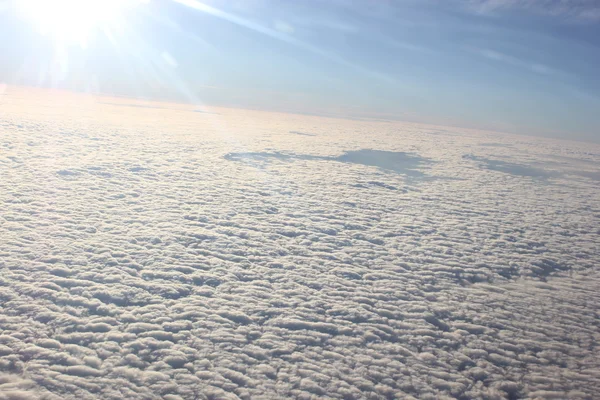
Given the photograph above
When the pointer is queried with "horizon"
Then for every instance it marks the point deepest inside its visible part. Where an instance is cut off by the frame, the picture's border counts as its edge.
(509, 66)
(374, 119)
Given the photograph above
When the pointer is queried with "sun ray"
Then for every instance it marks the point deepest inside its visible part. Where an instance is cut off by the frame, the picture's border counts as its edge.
(73, 21)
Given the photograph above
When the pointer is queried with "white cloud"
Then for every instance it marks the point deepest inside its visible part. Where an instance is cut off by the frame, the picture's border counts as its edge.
(307, 276)
(576, 10)
(534, 67)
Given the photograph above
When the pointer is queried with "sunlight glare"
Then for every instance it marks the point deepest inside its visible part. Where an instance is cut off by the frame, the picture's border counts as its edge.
(73, 20)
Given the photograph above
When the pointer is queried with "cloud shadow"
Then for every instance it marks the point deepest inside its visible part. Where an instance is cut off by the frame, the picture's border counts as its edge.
(512, 168)
(399, 162)
(302, 133)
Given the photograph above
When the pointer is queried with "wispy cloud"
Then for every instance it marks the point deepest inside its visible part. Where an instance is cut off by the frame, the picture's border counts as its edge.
(514, 61)
(283, 33)
(575, 10)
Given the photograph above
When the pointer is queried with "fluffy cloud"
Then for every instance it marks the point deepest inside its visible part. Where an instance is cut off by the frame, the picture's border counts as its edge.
(159, 267)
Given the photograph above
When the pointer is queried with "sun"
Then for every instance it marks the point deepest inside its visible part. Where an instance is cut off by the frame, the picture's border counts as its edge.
(73, 21)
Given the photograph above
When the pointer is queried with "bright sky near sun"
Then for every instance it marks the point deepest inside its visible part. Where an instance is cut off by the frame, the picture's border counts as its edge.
(525, 66)
(72, 21)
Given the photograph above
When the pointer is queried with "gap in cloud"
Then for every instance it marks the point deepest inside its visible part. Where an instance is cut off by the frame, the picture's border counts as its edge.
(532, 171)
(402, 163)
(495, 145)
(512, 168)
(593, 175)
(302, 133)
(205, 112)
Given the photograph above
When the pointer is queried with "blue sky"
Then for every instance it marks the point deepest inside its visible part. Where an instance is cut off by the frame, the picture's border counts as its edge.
(525, 66)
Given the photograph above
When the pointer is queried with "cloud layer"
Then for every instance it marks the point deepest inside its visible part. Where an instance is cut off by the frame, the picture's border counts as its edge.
(137, 261)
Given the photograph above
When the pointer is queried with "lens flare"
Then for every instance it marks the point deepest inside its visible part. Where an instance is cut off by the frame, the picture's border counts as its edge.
(73, 21)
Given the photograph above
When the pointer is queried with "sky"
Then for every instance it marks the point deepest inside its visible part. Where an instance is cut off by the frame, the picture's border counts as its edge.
(523, 66)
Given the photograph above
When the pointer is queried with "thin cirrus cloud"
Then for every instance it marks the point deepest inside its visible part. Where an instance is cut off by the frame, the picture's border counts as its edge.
(514, 61)
(580, 10)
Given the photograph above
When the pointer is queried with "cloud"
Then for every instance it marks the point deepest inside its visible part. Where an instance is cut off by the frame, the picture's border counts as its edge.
(13, 387)
(164, 269)
(576, 10)
(514, 61)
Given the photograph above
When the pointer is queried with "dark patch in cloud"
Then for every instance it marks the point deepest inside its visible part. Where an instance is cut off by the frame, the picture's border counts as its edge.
(402, 163)
(495, 145)
(441, 132)
(512, 168)
(205, 112)
(593, 175)
(376, 184)
(302, 133)
(138, 169)
(67, 172)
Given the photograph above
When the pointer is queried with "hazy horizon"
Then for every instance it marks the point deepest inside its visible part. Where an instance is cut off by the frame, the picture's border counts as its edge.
(512, 66)
(99, 96)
